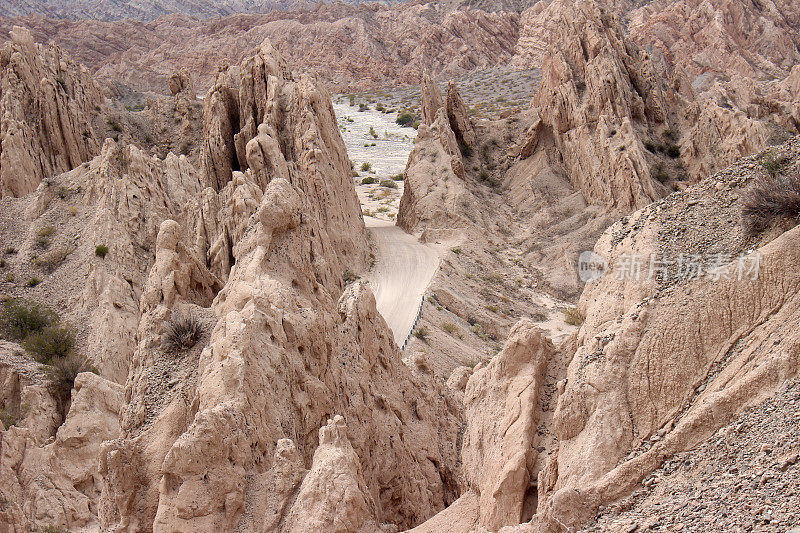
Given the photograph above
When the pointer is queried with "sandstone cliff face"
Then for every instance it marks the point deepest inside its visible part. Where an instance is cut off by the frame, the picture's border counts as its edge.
(54, 480)
(597, 97)
(662, 363)
(436, 195)
(47, 103)
(289, 346)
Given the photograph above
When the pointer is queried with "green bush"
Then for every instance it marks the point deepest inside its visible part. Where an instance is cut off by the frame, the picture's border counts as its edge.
(20, 318)
(572, 316)
(12, 415)
(349, 276)
(33, 282)
(44, 236)
(369, 180)
(422, 334)
(363, 107)
(389, 183)
(366, 167)
(50, 343)
(450, 328)
(61, 375)
(373, 133)
(405, 119)
(399, 177)
(101, 250)
(772, 163)
(673, 151)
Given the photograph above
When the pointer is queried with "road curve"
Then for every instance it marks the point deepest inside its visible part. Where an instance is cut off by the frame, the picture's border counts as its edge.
(404, 267)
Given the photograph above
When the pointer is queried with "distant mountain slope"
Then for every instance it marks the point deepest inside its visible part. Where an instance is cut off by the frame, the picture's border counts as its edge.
(145, 10)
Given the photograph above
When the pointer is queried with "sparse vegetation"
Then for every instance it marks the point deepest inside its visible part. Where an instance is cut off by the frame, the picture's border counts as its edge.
(405, 119)
(363, 107)
(114, 125)
(450, 328)
(572, 316)
(182, 333)
(422, 334)
(101, 250)
(61, 375)
(772, 163)
(389, 183)
(369, 180)
(373, 132)
(349, 276)
(366, 167)
(456, 250)
(51, 260)
(49, 344)
(20, 318)
(33, 282)
(770, 199)
(45, 236)
(399, 177)
(12, 415)
(659, 173)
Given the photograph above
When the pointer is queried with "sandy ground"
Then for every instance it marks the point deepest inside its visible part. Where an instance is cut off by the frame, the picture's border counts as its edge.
(387, 158)
(404, 268)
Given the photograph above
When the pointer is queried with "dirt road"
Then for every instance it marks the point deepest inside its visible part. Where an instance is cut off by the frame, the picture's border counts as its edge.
(404, 268)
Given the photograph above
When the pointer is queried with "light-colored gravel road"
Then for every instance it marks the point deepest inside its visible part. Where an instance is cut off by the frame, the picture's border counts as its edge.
(404, 268)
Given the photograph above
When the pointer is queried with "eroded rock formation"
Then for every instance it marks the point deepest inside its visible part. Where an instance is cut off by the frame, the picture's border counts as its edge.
(47, 103)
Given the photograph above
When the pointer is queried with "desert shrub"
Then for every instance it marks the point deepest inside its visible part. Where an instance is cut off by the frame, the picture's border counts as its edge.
(101, 250)
(366, 167)
(44, 236)
(51, 260)
(182, 333)
(369, 180)
(373, 132)
(349, 276)
(363, 107)
(456, 250)
(670, 134)
(383, 209)
(673, 151)
(49, 344)
(405, 119)
(492, 308)
(650, 146)
(572, 316)
(33, 282)
(389, 183)
(352, 100)
(399, 177)
(20, 318)
(422, 333)
(13, 413)
(658, 173)
(539, 316)
(477, 329)
(772, 163)
(114, 125)
(450, 328)
(61, 374)
(770, 199)
(466, 150)
(54, 529)
(379, 107)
